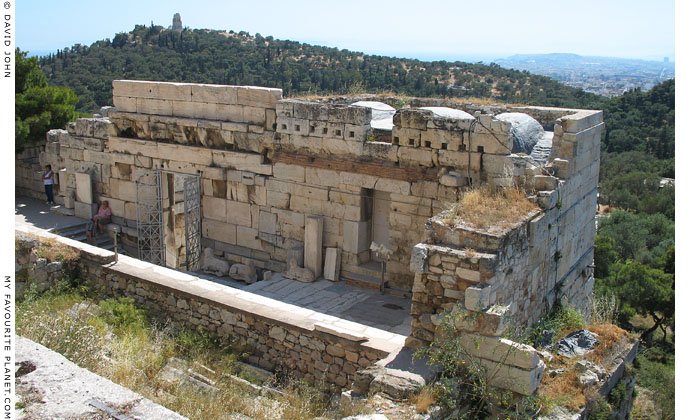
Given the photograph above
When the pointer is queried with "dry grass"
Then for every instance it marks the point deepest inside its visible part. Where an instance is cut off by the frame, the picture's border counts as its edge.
(644, 407)
(424, 399)
(604, 309)
(52, 250)
(133, 355)
(565, 389)
(611, 339)
(356, 92)
(490, 209)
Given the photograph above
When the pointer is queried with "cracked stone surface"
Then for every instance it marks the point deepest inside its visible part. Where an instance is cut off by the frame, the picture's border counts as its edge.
(59, 389)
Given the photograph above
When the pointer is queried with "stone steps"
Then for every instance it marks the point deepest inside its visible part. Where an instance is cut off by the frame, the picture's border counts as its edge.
(77, 231)
(370, 269)
(372, 283)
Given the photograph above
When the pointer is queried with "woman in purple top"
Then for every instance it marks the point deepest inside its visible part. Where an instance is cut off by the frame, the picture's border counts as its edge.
(100, 219)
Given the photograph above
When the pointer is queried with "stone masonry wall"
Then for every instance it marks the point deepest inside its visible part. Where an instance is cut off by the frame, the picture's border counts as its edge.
(266, 163)
(490, 280)
(546, 259)
(28, 173)
(275, 335)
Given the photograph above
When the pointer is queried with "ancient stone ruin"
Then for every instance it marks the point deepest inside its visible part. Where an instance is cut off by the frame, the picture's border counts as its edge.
(236, 179)
(176, 23)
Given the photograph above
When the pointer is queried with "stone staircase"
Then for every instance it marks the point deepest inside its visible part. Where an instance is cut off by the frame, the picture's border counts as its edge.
(368, 276)
(77, 231)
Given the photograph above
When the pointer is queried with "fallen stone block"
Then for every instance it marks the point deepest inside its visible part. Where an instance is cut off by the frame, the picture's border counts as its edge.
(213, 265)
(294, 272)
(332, 264)
(313, 244)
(524, 382)
(243, 272)
(501, 350)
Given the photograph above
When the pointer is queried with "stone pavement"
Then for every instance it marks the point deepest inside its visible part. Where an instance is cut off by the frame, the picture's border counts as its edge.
(370, 308)
(36, 213)
(385, 312)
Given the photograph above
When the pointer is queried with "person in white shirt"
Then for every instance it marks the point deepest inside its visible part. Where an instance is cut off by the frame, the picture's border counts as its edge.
(48, 184)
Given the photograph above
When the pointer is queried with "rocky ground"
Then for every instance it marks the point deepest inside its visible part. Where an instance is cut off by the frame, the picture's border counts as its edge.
(51, 387)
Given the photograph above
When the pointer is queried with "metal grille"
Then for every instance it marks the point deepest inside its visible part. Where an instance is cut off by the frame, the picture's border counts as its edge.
(150, 218)
(192, 221)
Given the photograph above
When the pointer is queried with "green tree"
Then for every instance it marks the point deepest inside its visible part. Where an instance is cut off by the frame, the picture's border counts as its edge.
(38, 107)
(645, 290)
(639, 237)
(605, 256)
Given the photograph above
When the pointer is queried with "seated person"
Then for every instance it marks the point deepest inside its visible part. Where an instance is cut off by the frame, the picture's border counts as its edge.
(99, 220)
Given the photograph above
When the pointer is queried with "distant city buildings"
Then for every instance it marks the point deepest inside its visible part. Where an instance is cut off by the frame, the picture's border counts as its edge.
(601, 75)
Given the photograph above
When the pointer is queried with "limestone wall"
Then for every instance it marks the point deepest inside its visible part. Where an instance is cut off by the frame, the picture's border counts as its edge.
(494, 280)
(28, 173)
(266, 163)
(546, 259)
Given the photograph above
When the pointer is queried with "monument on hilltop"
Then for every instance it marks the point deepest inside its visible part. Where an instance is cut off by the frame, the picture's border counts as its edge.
(177, 22)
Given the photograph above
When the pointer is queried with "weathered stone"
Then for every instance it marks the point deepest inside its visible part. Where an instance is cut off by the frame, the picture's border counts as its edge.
(332, 264)
(84, 192)
(245, 273)
(83, 210)
(418, 260)
(501, 350)
(355, 236)
(478, 298)
(524, 382)
(588, 379)
(313, 244)
(212, 265)
(296, 254)
(297, 273)
(277, 333)
(397, 384)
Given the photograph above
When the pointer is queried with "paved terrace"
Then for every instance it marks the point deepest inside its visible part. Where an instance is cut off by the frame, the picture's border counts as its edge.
(336, 305)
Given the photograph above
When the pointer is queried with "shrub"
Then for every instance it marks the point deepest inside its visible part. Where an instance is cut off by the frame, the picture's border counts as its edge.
(601, 410)
(123, 315)
(463, 384)
(562, 321)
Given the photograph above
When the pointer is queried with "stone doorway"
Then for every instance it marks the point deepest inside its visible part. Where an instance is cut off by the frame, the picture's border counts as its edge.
(169, 219)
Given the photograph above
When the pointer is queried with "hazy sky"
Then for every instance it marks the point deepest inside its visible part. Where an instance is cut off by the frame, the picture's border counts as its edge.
(421, 29)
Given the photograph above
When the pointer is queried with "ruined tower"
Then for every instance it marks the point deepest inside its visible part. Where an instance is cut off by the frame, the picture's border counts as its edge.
(177, 22)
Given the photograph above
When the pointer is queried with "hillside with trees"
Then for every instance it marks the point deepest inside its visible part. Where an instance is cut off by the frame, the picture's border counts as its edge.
(209, 56)
(635, 244)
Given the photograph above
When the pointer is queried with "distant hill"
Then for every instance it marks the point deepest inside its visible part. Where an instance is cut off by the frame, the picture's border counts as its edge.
(210, 56)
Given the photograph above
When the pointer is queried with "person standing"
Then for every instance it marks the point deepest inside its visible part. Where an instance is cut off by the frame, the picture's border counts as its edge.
(48, 177)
